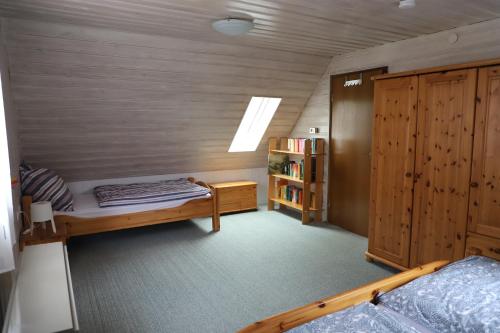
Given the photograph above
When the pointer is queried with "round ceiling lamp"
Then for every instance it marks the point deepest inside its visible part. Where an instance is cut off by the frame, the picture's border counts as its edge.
(405, 4)
(233, 26)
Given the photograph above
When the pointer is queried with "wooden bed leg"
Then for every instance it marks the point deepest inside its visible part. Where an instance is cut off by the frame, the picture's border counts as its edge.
(215, 214)
(26, 207)
(215, 222)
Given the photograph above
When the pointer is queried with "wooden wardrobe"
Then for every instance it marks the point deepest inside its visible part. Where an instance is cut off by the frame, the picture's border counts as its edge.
(435, 172)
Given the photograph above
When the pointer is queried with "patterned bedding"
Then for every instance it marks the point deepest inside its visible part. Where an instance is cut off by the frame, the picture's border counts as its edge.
(462, 297)
(362, 318)
(143, 193)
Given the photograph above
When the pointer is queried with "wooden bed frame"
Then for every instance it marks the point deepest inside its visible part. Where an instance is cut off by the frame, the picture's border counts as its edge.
(76, 226)
(296, 317)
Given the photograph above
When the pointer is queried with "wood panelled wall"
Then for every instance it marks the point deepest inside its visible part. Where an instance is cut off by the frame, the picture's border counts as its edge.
(476, 42)
(96, 103)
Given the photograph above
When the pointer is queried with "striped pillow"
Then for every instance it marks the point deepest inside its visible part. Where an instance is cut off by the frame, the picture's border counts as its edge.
(44, 185)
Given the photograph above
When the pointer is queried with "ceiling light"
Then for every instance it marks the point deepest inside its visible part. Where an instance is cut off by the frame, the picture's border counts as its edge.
(233, 26)
(404, 4)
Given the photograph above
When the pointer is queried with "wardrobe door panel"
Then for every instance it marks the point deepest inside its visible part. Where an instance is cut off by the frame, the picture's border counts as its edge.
(393, 151)
(443, 165)
(484, 205)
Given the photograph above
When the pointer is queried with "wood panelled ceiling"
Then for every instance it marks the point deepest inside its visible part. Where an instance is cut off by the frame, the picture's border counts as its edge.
(117, 88)
(323, 27)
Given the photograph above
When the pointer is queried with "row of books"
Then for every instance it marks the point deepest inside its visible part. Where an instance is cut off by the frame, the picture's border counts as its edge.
(291, 193)
(297, 145)
(295, 194)
(294, 169)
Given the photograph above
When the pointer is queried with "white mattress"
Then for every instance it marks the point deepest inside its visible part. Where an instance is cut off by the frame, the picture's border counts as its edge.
(85, 206)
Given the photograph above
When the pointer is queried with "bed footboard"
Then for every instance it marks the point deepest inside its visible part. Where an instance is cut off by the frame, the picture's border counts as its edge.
(288, 320)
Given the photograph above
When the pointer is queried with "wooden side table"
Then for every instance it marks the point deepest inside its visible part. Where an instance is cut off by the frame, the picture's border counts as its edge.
(44, 236)
(236, 196)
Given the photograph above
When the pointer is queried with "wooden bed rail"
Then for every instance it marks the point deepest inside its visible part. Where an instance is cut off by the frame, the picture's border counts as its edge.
(296, 317)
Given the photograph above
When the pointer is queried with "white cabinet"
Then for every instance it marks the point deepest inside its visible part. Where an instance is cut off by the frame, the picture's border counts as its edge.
(43, 299)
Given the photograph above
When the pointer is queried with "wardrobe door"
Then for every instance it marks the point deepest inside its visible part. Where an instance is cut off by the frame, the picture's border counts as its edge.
(393, 151)
(484, 205)
(443, 165)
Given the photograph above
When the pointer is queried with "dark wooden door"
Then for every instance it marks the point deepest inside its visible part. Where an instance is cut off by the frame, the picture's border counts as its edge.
(484, 205)
(443, 165)
(393, 161)
(350, 144)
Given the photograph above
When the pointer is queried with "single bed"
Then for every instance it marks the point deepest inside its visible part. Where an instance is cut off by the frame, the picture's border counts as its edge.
(89, 218)
(438, 297)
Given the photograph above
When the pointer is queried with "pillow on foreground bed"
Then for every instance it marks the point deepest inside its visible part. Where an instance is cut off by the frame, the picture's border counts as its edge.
(461, 297)
(45, 185)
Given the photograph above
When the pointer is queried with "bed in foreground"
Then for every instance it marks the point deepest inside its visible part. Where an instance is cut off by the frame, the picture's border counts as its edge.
(461, 297)
(112, 212)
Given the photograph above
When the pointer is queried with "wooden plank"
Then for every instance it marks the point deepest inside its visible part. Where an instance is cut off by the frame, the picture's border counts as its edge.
(445, 68)
(296, 317)
(84, 226)
(287, 203)
(289, 178)
(478, 245)
(318, 182)
(484, 203)
(392, 167)
(443, 164)
(271, 187)
(306, 187)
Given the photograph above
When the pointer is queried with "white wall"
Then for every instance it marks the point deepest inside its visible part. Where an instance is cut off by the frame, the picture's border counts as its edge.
(6, 279)
(258, 175)
(476, 42)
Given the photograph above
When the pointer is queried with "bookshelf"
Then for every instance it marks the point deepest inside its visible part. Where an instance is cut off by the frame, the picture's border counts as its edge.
(312, 155)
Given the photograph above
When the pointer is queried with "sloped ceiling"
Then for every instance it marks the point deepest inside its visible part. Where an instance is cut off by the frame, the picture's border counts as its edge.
(115, 88)
(96, 103)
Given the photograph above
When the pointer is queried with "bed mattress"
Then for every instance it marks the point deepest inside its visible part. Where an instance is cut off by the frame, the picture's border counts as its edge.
(86, 206)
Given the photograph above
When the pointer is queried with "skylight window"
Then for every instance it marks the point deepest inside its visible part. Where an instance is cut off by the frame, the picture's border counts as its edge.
(255, 121)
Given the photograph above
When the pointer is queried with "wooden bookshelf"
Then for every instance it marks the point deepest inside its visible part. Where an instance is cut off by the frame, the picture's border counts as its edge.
(289, 178)
(292, 152)
(307, 208)
(292, 204)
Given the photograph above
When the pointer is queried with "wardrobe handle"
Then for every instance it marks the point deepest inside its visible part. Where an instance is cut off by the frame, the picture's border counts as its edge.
(408, 174)
(474, 184)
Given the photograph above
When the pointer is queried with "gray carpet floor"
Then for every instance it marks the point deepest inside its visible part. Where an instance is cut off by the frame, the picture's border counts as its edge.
(180, 277)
